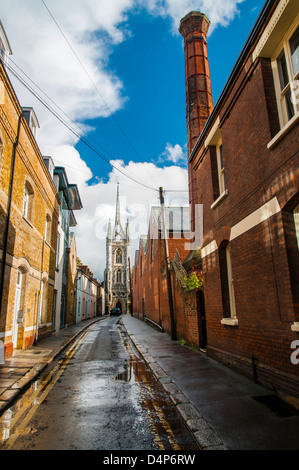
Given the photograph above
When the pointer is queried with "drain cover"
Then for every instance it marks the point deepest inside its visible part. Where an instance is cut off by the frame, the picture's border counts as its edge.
(277, 405)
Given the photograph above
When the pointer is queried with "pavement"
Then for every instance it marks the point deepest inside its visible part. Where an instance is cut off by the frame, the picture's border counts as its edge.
(221, 408)
(25, 366)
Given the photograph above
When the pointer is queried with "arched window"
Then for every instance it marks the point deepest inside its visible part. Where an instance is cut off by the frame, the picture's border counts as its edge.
(118, 276)
(48, 228)
(28, 201)
(119, 258)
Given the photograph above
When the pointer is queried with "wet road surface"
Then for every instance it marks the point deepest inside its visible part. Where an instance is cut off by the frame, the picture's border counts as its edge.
(98, 395)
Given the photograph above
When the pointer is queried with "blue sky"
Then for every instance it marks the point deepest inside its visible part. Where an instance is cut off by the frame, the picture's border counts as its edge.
(134, 59)
(150, 64)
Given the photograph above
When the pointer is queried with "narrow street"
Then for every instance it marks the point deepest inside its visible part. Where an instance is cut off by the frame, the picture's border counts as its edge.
(98, 395)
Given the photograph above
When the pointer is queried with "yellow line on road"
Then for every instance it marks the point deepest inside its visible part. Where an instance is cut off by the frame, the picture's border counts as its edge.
(36, 400)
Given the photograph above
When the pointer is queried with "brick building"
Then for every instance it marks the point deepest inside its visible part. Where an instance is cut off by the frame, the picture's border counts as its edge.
(87, 294)
(71, 280)
(243, 168)
(64, 276)
(29, 211)
(149, 280)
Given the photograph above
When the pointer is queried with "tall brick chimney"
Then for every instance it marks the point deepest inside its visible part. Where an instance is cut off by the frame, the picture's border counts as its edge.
(199, 101)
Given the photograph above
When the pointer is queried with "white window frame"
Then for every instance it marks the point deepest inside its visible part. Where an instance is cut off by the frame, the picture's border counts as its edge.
(26, 202)
(57, 251)
(232, 320)
(220, 167)
(48, 228)
(296, 221)
(230, 278)
(292, 85)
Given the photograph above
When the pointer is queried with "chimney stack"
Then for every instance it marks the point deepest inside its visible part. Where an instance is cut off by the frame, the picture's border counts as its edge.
(199, 101)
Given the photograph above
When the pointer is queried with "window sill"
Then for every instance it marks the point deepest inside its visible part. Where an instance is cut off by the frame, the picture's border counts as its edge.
(219, 199)
(284, 131)
(27, 221)
(295, 326)
(229, 321)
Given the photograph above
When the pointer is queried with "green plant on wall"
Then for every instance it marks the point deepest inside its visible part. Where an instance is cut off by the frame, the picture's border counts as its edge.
(194, 281)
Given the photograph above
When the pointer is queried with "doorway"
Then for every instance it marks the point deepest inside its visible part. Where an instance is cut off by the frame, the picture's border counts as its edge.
(17, 308)
(119, 305)
(202, 329)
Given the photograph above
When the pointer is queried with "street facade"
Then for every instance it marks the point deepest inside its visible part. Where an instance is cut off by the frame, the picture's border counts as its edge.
(243, 177)
(218, 278)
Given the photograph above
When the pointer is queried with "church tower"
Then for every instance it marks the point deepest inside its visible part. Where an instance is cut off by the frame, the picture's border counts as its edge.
(117, 274)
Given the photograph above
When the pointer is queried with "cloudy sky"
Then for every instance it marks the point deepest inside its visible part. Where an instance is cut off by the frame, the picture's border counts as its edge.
(113, 72)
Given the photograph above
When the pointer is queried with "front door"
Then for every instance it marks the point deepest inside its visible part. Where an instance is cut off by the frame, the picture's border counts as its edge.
(17, 309)
(201, 319)
(119, 305)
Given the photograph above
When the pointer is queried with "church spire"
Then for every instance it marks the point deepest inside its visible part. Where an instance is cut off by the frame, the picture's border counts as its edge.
(117, 212)
(118, 232)
(128, 231)
(109, 231)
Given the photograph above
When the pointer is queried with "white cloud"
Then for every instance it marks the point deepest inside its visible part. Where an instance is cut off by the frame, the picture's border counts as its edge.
(41, 51)
(99, 206)
(174, 154)
(219, 12)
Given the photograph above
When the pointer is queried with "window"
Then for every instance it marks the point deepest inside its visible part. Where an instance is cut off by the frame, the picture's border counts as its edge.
(28, 201)
(230, 283)
(2, 50)
(57, 251)
(48, 228)
(296, 219)
(119, 257)
(227, 286)
(286, 75)
(220, 167)
(18, 306)
(118, 276)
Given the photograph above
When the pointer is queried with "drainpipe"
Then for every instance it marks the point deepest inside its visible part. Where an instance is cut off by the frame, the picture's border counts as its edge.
(9, 202)
(40, 296)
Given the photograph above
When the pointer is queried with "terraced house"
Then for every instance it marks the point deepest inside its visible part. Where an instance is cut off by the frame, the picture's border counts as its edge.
(29, 211)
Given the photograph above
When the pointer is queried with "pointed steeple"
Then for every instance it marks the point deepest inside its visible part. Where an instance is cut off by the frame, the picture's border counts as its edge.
(128, 231)
(118, 231)
(109, 231)
(117, 212)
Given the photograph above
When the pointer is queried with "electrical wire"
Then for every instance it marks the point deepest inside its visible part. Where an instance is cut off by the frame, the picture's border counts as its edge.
(76, 124)
(93, 83)
(62, 120)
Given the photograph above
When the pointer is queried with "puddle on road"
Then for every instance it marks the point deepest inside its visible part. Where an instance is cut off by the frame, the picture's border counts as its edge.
(168, 430)
(166, 424)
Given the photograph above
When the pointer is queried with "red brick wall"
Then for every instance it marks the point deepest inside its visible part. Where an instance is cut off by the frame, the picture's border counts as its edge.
(152, 287)
(265, 259)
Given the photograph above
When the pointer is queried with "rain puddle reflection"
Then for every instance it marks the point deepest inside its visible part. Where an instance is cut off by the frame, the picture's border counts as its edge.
(167, 426)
